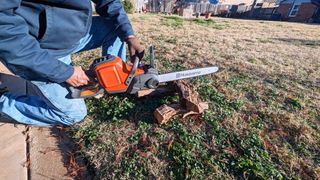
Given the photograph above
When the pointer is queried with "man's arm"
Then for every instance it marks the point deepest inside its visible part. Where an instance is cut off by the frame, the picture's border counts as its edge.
(113, 9)
(18, 47)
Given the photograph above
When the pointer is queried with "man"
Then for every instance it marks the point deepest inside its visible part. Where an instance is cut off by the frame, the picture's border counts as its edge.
(37, 38)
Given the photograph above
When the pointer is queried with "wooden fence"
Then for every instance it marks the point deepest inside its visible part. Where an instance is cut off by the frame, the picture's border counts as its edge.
(170, 6)
(225, 10)
(164, 6)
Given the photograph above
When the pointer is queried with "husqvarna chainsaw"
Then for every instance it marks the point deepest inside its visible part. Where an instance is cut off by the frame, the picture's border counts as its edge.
(112, 75)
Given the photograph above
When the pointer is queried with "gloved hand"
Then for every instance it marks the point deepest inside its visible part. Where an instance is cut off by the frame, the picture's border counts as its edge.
(78, 78)
(135, 48)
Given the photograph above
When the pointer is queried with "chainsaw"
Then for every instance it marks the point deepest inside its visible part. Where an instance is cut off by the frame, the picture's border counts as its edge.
(112, 75)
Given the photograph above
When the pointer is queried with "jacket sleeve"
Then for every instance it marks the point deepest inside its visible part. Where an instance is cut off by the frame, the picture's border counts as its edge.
(113, 10)
(19, 48)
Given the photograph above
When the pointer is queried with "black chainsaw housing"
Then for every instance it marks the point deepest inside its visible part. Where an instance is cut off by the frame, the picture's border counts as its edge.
(149, 80)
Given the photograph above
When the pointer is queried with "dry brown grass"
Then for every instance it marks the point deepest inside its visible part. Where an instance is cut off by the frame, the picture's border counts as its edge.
(270, 72)
(271, 48)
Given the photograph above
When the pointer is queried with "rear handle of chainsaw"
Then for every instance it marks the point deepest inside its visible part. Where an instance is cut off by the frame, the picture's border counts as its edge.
(85, 91)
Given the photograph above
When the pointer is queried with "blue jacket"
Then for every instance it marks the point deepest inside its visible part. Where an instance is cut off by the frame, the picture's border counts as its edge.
(34, 33)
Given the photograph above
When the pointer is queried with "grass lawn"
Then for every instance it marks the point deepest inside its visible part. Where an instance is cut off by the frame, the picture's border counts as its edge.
(264, 105)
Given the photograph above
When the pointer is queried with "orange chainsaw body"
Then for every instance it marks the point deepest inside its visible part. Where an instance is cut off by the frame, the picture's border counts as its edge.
(109, 73)
(112, 74)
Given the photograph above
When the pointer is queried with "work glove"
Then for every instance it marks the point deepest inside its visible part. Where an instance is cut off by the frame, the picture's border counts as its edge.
(135, 48)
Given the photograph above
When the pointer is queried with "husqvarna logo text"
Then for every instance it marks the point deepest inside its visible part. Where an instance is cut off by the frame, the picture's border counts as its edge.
(187, 74)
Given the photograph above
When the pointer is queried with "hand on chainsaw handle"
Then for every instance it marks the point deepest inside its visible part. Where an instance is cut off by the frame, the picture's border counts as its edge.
(78, 78)
(135, 48)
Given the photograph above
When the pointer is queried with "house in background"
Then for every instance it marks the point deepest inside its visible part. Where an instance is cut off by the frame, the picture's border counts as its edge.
(300, 10)
(286, 10)
(255, 9)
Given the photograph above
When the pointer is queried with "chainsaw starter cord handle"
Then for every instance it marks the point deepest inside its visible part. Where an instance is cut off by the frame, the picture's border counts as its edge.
(133, 70)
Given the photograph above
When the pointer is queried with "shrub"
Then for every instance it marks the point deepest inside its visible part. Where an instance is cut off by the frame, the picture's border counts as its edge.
(128, 6)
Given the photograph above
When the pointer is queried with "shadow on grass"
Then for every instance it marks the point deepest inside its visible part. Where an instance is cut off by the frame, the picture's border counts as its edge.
(310, 43)
(115, 107)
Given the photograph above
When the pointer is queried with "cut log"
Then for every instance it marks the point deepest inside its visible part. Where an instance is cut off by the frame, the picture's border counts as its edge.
(165, 112)
(190, 103)
(190, 97)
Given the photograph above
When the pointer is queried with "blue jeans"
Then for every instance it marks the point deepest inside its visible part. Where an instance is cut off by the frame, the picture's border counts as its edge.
(50, 105)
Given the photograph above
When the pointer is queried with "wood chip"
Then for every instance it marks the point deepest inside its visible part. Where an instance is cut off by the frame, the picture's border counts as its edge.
(145, 92)
(189, 114)
(165, 112)
(121, 150)
(155, 92)
(203, 106)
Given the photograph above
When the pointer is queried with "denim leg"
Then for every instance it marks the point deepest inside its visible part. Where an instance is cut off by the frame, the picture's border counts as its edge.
(48, 105)
(116, 48)
(102, 34)
(35, 111)
(58, 98)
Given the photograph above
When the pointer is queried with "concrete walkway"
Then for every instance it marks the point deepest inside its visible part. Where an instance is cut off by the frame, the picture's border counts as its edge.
(36, 153)
(30, 152)
(13, 152)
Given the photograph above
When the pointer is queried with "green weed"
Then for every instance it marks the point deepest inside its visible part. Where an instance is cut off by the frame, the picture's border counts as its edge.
(89, 133)
(224, 107)
(292, 104)
(236, 80)
(169, 66)
(207, 22)
(145, 17)
(255, 162)
(110, 107)
(173, 21)
(172, 40)
(128, 6)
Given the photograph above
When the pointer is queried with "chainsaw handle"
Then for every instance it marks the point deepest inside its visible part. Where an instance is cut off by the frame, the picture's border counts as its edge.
(133, 70)
(85, 91)
(74, 92)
